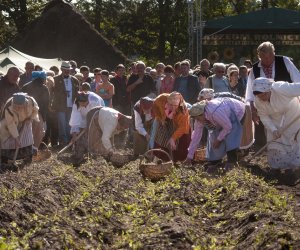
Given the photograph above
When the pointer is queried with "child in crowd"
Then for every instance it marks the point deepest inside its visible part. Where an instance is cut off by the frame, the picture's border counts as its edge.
(105, 89)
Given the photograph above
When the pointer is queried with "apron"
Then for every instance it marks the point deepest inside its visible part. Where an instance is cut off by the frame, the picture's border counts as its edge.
(230, 142)
(8, 146)
(164, 132)
(26, 137)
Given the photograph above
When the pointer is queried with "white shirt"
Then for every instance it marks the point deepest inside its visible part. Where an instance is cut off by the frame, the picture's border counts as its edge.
(108, 121)
(291, 68)
(282, 109)
(78, 115)
(139, 126)
(68, 86)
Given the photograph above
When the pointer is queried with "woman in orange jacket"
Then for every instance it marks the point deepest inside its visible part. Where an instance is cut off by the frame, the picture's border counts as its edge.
(173, 125)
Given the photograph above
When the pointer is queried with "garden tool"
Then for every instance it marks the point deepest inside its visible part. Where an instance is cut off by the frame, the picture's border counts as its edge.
(268, 143)
(71, 143)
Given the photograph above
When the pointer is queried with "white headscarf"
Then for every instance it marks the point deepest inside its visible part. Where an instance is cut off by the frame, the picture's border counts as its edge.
(206, 93)
(262, 84)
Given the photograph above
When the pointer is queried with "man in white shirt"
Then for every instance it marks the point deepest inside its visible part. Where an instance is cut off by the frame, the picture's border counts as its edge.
(103, 124)
(84, 102)
(143, 118)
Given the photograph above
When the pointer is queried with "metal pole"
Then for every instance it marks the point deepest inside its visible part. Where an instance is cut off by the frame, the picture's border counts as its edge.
(190, 28)
(199, 29)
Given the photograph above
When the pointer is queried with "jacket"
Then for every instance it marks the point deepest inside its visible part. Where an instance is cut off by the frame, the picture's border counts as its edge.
(193, 88)
(59, 98)
(181, 119)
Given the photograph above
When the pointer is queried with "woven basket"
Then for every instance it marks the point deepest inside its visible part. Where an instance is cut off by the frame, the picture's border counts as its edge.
(42, 154)
(200, 154)
(155, 171)
(119, 159)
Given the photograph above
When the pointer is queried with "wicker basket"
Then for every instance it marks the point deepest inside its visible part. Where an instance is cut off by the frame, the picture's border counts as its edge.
(119, 159)
(155, 171)
(200, 154)
(42, 154)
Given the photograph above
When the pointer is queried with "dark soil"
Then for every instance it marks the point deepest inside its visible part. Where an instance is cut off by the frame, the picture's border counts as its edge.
(52, 205)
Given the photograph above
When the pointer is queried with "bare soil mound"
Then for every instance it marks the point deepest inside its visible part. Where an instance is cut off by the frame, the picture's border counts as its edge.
(52, 205)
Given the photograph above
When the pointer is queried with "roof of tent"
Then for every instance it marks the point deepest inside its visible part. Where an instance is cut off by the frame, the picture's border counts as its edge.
(265, 19)
(12, 57)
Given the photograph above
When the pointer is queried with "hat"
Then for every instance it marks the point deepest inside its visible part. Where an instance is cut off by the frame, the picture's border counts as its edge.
(65, 65)
(73, 64)
(206, 93)
(146, 102)
(174, 98)
(39, 74)
(19, 98)
(197, 108)
(262, 84)
(82, 96)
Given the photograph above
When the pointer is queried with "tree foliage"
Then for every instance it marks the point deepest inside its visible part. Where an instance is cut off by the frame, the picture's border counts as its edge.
(152, 29)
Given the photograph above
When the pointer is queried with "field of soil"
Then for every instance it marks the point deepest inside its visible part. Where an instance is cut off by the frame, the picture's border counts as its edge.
(53, 205)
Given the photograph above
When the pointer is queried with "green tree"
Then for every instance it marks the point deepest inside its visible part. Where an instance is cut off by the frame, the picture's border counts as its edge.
(151, 29)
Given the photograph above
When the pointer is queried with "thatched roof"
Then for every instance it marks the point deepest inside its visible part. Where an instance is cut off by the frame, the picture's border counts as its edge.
(63, 32)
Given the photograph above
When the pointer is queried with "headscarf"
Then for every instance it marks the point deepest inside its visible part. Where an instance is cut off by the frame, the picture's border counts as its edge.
(174, 98)
(198, 108)
(262, 85)
(19, 98)
(206, 93)
(38, 74)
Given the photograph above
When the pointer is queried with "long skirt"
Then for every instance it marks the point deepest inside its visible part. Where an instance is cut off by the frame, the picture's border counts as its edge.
(163, 135)
(248, 130)
(180, 153)
(8, 147)
(285, 156)
(232, 140)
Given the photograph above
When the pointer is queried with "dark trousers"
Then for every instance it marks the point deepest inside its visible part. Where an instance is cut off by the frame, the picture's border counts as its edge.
(259, 135)
(52, 129)
(232, 156)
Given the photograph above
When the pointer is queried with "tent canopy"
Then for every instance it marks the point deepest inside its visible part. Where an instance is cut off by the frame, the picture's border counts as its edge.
(12, 57)
(266, 19)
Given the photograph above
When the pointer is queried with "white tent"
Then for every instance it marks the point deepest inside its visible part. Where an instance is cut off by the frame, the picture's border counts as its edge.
(12, 57)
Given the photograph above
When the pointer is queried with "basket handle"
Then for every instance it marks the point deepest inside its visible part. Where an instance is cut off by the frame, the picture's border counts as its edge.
(45, 145)
(158, 150)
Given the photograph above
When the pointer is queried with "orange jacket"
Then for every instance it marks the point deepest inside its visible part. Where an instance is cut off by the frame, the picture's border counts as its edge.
(181, 119)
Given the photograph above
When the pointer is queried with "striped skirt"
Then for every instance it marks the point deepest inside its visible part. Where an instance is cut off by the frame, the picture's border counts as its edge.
(8, 147)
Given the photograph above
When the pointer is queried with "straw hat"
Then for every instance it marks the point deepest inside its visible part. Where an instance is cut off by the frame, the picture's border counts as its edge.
(65, 65)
